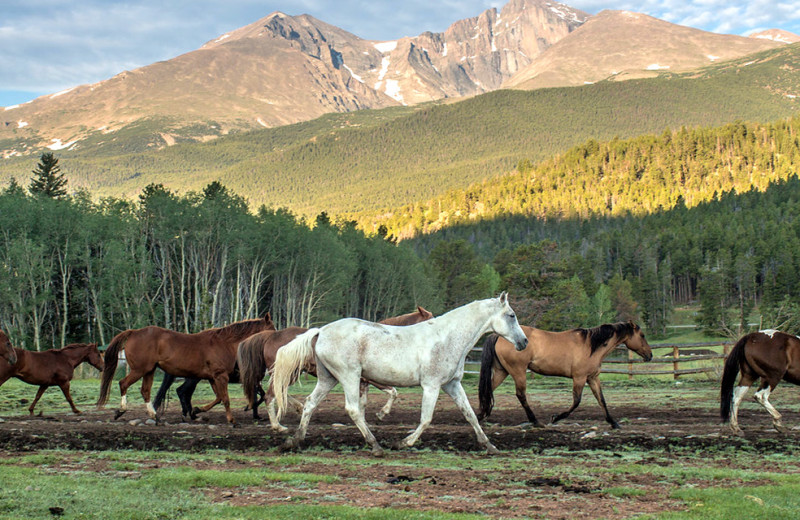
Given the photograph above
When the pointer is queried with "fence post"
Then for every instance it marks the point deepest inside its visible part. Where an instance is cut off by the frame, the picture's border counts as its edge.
(675, 354)
(725, 350)
(630, 364)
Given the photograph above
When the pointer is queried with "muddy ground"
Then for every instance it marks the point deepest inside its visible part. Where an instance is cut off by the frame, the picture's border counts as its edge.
(688, 432)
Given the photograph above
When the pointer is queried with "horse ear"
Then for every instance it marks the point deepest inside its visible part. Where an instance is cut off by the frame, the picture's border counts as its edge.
(267, 317)
(503, 297)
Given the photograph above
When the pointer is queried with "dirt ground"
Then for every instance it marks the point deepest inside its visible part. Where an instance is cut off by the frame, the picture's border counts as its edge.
(394, 483)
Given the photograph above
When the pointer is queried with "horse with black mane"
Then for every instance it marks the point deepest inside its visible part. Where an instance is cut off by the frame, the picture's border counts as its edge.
(769, 355)
(576, 353)
(50, 368)
(210, 354)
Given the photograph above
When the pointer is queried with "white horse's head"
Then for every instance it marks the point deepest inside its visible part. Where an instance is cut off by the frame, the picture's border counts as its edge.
(504, 322)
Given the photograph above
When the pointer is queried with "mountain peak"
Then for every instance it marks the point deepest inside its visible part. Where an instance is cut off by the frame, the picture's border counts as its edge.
(777, 35)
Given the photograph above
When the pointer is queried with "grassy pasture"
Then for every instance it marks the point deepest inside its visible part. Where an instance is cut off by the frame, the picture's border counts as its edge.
(619, 483)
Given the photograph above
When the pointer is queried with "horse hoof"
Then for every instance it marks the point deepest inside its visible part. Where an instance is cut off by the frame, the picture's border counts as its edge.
(118, 414)
(615, 425)
(279, 428)
(378, 452)
(196, 411)
(492, 450)
(380, 416)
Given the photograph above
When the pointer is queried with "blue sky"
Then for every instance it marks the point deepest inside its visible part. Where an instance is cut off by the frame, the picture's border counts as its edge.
(47, 46)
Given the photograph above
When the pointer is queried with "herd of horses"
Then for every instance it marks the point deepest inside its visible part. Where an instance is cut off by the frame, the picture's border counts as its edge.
(415, 349)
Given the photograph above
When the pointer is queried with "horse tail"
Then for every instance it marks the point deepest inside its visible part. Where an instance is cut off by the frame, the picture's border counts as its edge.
(732, 366)
(289, 362)
(485, 390)
(110, 360)
(252, 368)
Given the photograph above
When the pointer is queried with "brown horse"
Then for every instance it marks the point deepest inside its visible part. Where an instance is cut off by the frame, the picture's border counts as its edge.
(576, 353)
(769, 355)
(7, 352)
(210, 354)
(257, 354)
(51, 368)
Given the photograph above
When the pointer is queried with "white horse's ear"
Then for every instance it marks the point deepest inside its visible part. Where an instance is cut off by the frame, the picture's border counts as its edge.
(503, 297)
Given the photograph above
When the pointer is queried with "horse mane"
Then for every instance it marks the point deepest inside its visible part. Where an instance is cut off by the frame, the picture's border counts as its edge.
(235, 329)
(74, 346)
(597, 336)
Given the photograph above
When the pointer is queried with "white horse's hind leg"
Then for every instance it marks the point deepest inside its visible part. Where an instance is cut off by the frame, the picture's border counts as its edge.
(762, 396)
(429, 396)
(273, 417)
(738, 394)
(325, 383)
(387, 408)
(353, 405)
(456, 391)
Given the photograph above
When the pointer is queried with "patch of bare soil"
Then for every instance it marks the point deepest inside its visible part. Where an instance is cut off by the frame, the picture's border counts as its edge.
(511, 494)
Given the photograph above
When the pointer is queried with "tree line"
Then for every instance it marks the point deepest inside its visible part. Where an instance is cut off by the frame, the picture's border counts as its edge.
(77, 270)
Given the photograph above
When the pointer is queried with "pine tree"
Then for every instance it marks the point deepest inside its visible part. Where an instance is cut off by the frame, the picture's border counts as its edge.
(48, 179)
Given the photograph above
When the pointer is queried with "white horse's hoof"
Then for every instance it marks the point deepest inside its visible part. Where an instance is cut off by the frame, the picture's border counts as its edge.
(492, 450)
(279, 428)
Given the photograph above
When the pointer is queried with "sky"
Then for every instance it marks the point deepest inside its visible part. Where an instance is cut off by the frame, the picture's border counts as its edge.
(47, 46)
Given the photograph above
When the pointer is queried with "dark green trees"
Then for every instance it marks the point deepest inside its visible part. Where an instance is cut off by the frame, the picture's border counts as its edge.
(47, 178)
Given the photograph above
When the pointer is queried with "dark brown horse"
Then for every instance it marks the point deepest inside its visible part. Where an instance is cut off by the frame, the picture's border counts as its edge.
(7, 352)
(210, 354)
(257, 354)
(769, 355)
(576, 353)
(51, 368)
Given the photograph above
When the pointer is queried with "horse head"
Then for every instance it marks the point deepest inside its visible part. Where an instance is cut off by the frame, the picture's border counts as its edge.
(504, 322)
(94, 357)
(268, 320)
(637, 342)
(6, 350)
(424, 314)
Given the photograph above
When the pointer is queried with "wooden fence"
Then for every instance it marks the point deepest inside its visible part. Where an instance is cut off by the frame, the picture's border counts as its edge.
(676, 354)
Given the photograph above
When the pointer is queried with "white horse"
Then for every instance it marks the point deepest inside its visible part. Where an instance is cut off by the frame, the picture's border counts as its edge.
(430, 354)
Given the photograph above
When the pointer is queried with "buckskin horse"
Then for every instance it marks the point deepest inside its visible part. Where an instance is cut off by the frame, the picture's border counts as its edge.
(210, 354)
(769, 355)
(257, 354)
(430, 354)
(51, 368)
(576, 353)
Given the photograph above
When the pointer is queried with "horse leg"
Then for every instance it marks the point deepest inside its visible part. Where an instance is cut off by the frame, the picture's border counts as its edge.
(147, 386)
(220, 387)
(520, 383)
(387, 408)
(325, 383)
(430, 394)
(363, 392)
(36, 399)
(65, 391)
(159, 403)
(355, 407)
(762, 396)
(597, 390)
(456, 391)
(738, 395)
(124, 384)
(577, 392)
(185, 393)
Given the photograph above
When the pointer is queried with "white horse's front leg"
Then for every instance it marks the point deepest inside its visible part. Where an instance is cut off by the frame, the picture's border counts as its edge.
(456, 391)
(429, 396)
(274, 423)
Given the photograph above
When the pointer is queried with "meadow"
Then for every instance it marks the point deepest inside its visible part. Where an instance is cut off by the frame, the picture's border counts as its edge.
(671, 460)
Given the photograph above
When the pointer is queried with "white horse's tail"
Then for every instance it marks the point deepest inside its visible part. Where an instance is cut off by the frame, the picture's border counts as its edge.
(289, 362)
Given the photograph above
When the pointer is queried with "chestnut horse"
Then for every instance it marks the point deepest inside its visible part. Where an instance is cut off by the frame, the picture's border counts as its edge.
(51, 368)
(7, 352)
(210, 354)
(769, 355)
(576, 353)
(257, 354)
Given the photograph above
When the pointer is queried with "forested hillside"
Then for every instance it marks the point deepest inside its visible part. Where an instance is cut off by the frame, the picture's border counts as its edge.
(78, 270)
(379, 159)
(709, 214)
